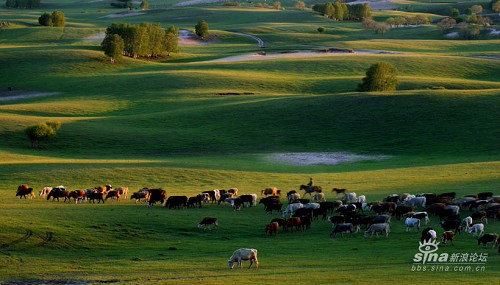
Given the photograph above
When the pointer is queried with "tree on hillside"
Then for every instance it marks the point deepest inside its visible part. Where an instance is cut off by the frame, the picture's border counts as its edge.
(477, 9)
(113, 46)
(495, 6)
(446, 23)
(329, 10)
(277, 5)
(58, 19)
(381, 76)
(339, 11)
(366, 12)
(300, 5)
(45, 20)
(454, 13)
(172, 40)
(144, 5)
(42, 132)
(201, 29)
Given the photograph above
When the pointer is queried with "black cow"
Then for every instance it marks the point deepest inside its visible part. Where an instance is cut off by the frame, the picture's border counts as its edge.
(273, 207)
(342, 228)
(195, 201)
(493, 238)
(249, 199)
(402, 210)
(330, 206)
(212, 195)
(484, 195)
(176, 202)
(99, 196)
(451, 225)
(270, 200)
(156, 195)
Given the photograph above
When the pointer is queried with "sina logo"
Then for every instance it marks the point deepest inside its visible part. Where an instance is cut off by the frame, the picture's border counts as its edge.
(427, 253)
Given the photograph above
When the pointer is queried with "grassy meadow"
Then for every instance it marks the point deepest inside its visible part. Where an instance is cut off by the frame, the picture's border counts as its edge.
(162, 123)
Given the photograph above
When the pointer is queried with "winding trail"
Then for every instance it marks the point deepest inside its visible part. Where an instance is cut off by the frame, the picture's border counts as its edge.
(259, 40)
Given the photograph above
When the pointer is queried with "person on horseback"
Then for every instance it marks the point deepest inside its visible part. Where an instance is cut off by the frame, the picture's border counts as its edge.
(310, 184)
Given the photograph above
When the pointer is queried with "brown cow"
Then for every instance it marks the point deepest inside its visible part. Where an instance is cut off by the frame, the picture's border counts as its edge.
(123, 191)
(273, 191)
(138, 196)
(448, 236)
(272, 228)
(23, 191)
(113, 194)
(77, 195)
(339, 191)
(294, 222)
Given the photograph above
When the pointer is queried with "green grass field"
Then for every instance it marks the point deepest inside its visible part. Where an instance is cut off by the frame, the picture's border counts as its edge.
(144, 123)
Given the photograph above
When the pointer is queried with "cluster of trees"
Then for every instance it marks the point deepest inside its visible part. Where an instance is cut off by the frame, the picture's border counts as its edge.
(468, 26)
(340, 12)
(25, 4)
(406, 20)
(41, 132)
(54, 19)
(143, 40)
(377, 27)
(129, 4)
(276, 5)
(4, 24)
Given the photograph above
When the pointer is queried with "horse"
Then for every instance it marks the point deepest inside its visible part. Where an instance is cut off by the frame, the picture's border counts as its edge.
(309, 191)
(339, 191)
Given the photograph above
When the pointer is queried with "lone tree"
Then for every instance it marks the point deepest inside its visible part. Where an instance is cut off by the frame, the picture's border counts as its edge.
(201, 29)
(113, 46)
(41, 132)
(172, 40)
(381, 76)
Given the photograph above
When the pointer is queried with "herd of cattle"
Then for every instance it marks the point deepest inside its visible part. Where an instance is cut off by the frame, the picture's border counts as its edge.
(348, 214)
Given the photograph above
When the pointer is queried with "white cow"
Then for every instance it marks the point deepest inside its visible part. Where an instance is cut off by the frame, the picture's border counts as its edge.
(313, 206)
(290, 209)
(476, 230)
(412, 223)
(361, 199)
(466, 223)
(349, 198)
(318, 197)
(416, 201)
(292, 197)
(242, 254)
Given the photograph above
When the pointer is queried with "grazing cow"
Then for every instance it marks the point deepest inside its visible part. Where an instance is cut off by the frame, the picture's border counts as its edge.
(123, 191)
(436, 208)
(451, 225)
(349, 198)
(303, 212)
(23, 191)
(273, 191)
(290, 209)
(272, 228)
(476, 229)
(344, 209)
(419, 215)
(429, 235)
(294, 222)
(213, 195)
(282, 222)
(448, 236)
(113, 194)
(339, 191)
(101, 189)
(378, 228)
(236, 203)
(273, 207)
(209, 223)
(99, 196)
(380, 219)
(480, 216)
(250, 199)
(176, 202)
(451, 210)
(361, 199)
(416, 201)
(45, 190)
(306, 221)
(57, 193)
(78, 195)
(156, 195)
(485, 239)
(312, 206)
(270, 200)
(241, 255)
(343, 228)
(195, 201)
(138, 196)
(320, 197)
(412, 223)
(402, 210)
(336, 220)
